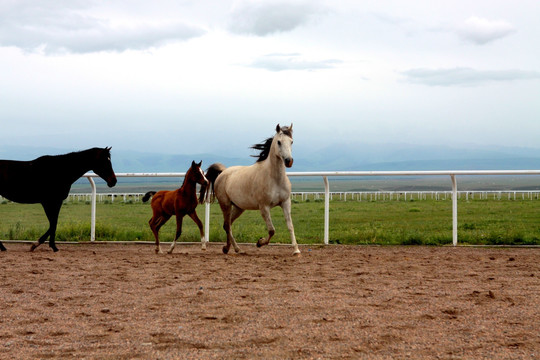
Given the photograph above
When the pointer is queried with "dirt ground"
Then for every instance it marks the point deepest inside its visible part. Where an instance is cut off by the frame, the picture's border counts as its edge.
(114, 301)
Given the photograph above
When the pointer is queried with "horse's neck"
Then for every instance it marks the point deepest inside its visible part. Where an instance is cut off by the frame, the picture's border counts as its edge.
(275, 167)
(76, 165)
(188, 186)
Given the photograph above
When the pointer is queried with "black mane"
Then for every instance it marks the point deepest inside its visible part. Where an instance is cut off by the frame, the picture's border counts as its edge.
(265, 146)
(264, 149)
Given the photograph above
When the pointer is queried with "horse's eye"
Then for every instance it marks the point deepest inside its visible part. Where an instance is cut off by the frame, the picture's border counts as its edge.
(279, 143)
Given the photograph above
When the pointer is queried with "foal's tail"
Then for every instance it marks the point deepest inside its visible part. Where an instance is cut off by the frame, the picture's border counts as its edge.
(148, 195)
(211, 175)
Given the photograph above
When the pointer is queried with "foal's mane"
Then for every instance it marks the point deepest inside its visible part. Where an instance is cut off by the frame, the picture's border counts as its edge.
(265, 146)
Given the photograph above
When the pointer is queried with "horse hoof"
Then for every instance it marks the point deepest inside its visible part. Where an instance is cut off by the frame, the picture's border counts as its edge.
(55, 249)
(33, 247)
(225, 250)
(259, 242)
(3, 249)
(297, 254)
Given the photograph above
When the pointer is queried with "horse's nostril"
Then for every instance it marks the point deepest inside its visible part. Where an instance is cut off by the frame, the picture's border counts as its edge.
(288, 162)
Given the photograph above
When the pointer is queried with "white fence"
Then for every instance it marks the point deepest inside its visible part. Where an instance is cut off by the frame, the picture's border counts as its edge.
(369, 195)
(325, 175)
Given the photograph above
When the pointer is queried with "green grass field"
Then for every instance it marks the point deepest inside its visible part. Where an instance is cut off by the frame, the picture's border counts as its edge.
(391, 222)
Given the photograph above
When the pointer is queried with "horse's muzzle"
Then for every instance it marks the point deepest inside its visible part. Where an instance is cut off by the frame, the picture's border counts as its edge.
(288, 162)
(111, 181)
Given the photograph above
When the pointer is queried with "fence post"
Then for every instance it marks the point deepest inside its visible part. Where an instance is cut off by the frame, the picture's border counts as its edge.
(93, 211)
(454, 209)
(326, 209)
(207, 221)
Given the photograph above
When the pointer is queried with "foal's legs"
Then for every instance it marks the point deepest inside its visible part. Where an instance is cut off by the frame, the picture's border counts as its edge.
(195, 218)
(179, 218)
(156, 222)
(52, 209)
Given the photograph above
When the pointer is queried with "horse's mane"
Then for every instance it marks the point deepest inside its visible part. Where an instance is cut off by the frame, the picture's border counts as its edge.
(264, 149)
(265, 146)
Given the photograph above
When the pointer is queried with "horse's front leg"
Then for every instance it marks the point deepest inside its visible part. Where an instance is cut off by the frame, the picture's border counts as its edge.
(197, 221)
(41, 240)
(286, 206)
(265, 212)
(52, 210)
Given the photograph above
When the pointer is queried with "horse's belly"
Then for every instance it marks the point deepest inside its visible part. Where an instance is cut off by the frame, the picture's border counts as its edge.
(19, 198)
(256, 198)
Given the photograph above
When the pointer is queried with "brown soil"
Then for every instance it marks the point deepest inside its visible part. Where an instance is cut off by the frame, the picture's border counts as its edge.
(125, 302)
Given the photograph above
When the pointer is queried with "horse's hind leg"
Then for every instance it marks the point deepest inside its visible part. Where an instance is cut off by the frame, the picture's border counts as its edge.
(197, 221)
(230, 213)
(265, 212)
(236, 212)
(156, 222)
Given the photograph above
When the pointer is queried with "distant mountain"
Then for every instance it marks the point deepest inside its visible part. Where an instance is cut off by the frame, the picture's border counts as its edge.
(335, 157)
(417, 157)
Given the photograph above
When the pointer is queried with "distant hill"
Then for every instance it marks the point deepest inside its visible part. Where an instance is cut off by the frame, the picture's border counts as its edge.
(335, 157)
(417, 157)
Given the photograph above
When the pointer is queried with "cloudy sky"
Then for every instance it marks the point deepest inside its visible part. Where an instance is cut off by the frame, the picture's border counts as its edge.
(183, 76)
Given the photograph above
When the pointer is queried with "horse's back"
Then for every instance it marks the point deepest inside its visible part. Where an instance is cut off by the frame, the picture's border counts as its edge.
(250, 186)
(163, 201)
(34, 181)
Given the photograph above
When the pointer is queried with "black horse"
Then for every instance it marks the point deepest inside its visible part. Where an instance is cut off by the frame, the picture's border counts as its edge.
(47, 180)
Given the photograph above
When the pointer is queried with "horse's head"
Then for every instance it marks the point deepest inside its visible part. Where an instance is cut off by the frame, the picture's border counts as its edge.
(282, 142)
(103, 166)
(197, 174)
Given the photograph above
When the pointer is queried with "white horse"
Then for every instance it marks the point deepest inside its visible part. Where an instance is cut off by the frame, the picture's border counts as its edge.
(260, 186)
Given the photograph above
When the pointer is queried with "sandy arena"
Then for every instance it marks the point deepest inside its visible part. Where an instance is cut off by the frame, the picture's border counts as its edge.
(339, 302)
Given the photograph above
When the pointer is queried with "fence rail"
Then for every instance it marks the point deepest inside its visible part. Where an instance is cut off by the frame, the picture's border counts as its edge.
(325, 175)
(369, 195)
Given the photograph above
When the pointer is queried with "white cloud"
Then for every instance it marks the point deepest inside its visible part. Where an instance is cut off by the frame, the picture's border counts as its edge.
(261, 19)
(465, 76)
(481, 31)
(70, 27)
(280, 62)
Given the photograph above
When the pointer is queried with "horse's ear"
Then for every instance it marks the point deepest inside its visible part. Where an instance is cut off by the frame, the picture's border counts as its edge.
(108, 148)
(193, 163)
(278, 128)
(199, 164)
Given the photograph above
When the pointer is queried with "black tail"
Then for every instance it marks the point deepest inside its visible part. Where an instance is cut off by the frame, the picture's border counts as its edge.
(211, 175)
(148, 195)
